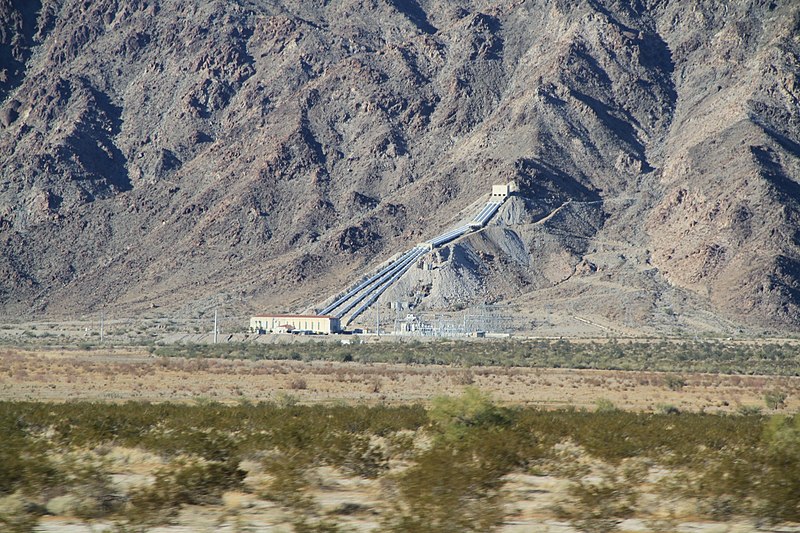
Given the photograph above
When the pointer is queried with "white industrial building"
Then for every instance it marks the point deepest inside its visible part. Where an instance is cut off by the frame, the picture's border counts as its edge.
(502, 191)
(316, 324)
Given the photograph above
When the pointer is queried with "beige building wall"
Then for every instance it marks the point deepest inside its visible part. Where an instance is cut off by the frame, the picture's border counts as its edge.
(500, 191)
(283, 323)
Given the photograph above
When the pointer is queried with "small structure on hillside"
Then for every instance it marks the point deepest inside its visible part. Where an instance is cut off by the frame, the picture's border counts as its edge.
(307, 324)
(502, 191)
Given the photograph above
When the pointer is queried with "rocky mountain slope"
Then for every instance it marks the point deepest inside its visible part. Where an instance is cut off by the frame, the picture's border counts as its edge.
(259, 153)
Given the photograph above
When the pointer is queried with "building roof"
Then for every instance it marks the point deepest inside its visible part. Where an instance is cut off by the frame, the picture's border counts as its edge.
(295, 316)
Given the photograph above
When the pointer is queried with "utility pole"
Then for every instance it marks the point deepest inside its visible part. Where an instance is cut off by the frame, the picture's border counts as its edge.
(102, 316)
(215, 326)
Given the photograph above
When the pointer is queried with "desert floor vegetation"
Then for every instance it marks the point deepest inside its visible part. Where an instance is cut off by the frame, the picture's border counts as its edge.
(463, 463)
(744, 356)
(662, 355)
(100, 375)
(331, 437)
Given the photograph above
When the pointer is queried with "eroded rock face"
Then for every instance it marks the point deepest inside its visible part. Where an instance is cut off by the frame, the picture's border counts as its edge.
(264, 153)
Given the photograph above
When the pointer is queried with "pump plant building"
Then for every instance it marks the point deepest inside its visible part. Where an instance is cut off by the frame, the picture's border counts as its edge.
(319, 324)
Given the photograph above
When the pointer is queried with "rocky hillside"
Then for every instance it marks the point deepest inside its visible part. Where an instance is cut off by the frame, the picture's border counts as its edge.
(259, 153)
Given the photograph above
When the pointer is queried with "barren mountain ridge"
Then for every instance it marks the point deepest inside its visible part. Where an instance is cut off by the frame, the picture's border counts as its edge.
(261, 154)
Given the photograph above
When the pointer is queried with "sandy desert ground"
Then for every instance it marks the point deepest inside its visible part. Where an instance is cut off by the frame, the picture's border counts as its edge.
(130, 374)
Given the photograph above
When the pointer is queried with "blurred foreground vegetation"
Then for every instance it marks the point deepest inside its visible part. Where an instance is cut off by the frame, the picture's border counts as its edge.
(440, 469)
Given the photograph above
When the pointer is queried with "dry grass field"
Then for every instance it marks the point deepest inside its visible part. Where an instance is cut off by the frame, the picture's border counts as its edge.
(130, 374)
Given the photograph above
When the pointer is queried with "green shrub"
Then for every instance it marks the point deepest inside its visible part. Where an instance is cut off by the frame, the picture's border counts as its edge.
(354, 454)
(600, 505)
(775, 399)
(778, 487)
(15, 515)
(446, 491)
(186, 482)
(667, 409)
(454, 417)
(24, 464)
(673, 382)
(87, 482)
(603, 405)
(749, 410)
(288, 482)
